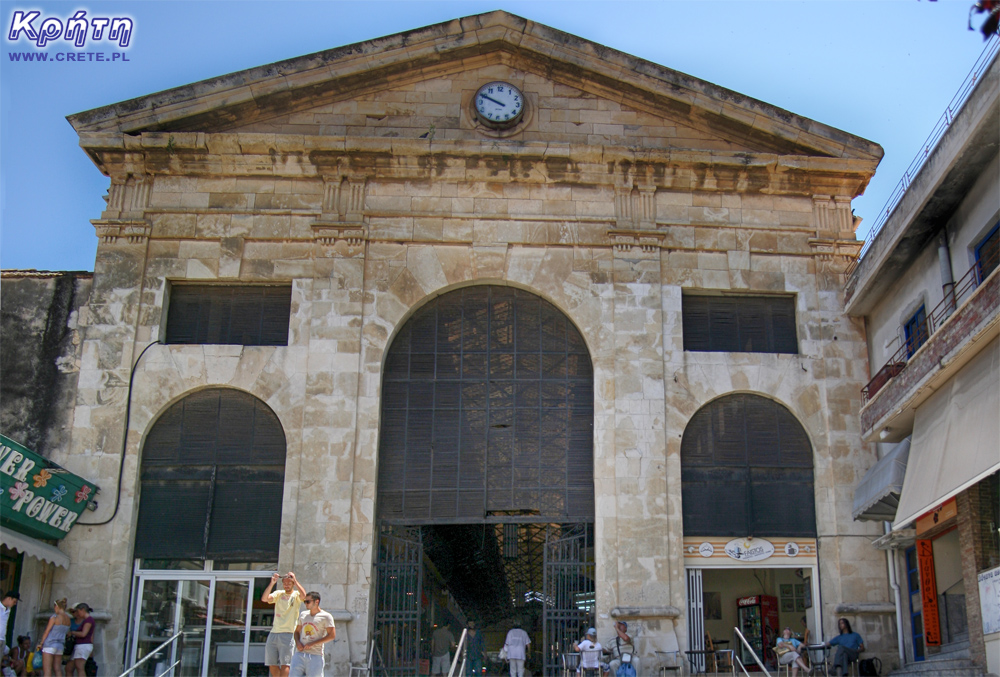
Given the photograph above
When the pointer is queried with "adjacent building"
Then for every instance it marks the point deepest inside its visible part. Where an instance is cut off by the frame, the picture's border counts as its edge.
(478, 321)
(928, 292)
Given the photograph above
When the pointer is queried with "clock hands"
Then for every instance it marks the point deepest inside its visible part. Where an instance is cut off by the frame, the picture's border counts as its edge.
(490, 98)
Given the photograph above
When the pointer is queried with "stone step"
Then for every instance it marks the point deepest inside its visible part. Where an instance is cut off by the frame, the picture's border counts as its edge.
(953, 667)
(959, 647)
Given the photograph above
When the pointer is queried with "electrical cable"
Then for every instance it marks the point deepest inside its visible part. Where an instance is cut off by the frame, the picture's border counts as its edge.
(128, 416)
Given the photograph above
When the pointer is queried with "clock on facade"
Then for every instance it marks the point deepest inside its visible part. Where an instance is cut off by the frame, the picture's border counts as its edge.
(499, 104)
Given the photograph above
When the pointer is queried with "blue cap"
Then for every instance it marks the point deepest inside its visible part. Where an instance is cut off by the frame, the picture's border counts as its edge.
(591, 631)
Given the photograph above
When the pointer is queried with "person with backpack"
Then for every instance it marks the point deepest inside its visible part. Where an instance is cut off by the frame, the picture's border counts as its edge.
(624, 661)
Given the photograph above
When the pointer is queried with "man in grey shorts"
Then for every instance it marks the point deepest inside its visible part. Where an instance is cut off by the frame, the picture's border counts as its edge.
(281, 640)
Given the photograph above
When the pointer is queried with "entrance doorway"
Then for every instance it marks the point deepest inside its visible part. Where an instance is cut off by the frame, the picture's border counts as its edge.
(539, 577)
(759, 601)
(223, 623)
(485, 480)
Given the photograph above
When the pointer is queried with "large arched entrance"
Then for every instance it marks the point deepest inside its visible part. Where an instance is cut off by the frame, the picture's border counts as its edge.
(485, 486)
(749, 525)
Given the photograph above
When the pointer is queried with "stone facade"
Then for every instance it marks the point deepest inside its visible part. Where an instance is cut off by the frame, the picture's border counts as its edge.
(361, 176)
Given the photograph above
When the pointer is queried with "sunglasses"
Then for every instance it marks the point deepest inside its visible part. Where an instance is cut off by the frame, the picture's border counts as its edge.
(308, 600)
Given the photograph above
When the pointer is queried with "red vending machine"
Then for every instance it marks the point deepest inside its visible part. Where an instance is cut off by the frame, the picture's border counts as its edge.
(758, 621)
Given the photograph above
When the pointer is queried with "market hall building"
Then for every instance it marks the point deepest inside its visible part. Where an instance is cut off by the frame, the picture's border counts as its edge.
(478, 321)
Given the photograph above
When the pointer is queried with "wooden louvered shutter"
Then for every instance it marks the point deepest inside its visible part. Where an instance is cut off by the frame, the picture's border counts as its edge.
(212, 480)
(739, 323)
(746, 469)
(225, 314)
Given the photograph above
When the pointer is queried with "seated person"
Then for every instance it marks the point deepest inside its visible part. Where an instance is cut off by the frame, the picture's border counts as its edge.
(791, 654)
(590, 654)
(622, 644)
(849, 644)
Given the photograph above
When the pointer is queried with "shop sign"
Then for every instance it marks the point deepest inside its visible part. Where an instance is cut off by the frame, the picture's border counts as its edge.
(39, 498)
(937, 517)
(928, 592)
(749, 549)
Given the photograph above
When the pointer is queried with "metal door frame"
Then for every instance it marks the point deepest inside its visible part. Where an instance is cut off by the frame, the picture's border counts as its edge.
(143, 575)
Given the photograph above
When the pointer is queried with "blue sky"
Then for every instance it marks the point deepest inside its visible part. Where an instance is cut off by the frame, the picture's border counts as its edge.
(882, 69)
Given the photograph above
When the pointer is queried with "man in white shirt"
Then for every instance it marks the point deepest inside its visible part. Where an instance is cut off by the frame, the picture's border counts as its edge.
(315, 629)
(10, 600)
(590, 654)
(517, 649)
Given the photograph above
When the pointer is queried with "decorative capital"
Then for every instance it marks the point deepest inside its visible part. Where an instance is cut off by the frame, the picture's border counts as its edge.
(332, 232)
(626, 240)
(835, 255)
(122, 231)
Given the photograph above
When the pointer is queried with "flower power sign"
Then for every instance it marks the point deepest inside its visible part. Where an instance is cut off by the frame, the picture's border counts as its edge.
(40, 499)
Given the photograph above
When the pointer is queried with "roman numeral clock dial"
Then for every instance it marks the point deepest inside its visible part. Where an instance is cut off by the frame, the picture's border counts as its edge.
(499, 104)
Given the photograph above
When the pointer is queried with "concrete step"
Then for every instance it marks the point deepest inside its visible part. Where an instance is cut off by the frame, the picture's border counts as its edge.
(950, 650)
(952, 667)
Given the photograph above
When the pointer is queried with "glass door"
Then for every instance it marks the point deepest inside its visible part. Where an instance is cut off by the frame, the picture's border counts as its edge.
(223, 624)
(228, 639)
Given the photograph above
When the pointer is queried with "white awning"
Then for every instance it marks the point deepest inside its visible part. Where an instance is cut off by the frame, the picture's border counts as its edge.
(877, 494)
(956, 437)
(34, 548)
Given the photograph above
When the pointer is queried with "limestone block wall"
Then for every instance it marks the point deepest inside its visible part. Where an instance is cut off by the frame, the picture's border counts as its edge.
(366, 240)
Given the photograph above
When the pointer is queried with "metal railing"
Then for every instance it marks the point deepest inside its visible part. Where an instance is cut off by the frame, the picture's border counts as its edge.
(156, 652)
(956, 104)
(923, 330)
(459, 652)
(752, 653)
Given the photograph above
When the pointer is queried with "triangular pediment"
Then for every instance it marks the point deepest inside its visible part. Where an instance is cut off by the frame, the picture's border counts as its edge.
(419, 84)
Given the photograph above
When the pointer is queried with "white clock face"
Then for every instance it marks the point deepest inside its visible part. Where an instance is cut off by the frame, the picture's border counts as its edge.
(499, 103)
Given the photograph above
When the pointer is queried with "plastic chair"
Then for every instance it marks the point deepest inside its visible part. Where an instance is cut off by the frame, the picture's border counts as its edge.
(590, 656)
(669, 662)
(570, 664)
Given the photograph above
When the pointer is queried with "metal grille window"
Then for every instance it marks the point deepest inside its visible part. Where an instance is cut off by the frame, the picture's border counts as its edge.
(487, 413)
(220, 314)
(739, 324)
(213, 471)
(746, 470)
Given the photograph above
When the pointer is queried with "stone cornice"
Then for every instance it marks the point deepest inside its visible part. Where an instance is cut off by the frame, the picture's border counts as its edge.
(297, 156)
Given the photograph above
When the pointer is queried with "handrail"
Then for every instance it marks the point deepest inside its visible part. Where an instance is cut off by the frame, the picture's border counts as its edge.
(742, 667)
(932, 321)
(752, 652)
(940, 127)
(458, 652)
(154, 652)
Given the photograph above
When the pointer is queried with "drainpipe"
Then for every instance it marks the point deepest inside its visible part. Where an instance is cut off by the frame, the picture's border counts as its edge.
(890, 557)
(944, 261)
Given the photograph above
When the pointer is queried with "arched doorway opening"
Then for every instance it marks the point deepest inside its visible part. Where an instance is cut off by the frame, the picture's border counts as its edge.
(485, 487)
(211, 484)
(749, 525)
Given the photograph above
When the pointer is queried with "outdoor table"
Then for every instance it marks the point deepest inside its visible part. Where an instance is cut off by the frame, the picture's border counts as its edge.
(817, 658)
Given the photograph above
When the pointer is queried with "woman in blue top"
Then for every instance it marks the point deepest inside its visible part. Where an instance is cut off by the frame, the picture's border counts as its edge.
(792, 655)
(849, 644)
(53, 639)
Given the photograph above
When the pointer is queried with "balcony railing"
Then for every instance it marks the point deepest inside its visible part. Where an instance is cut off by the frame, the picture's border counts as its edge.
(940, 127)
(960, 291)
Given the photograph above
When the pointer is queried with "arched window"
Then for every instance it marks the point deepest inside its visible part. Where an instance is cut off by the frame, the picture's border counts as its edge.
(212, 475)
(747, 470)
(487, 411)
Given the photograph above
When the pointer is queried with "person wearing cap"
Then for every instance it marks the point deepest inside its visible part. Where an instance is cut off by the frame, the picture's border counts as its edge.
(84, 634)
(622, 645)
(517, 649)
(590, 654)
(10, 599)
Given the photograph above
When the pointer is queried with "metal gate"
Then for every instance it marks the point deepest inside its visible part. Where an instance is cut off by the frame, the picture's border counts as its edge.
(398, 589)
(696, 618)
(569, 591)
